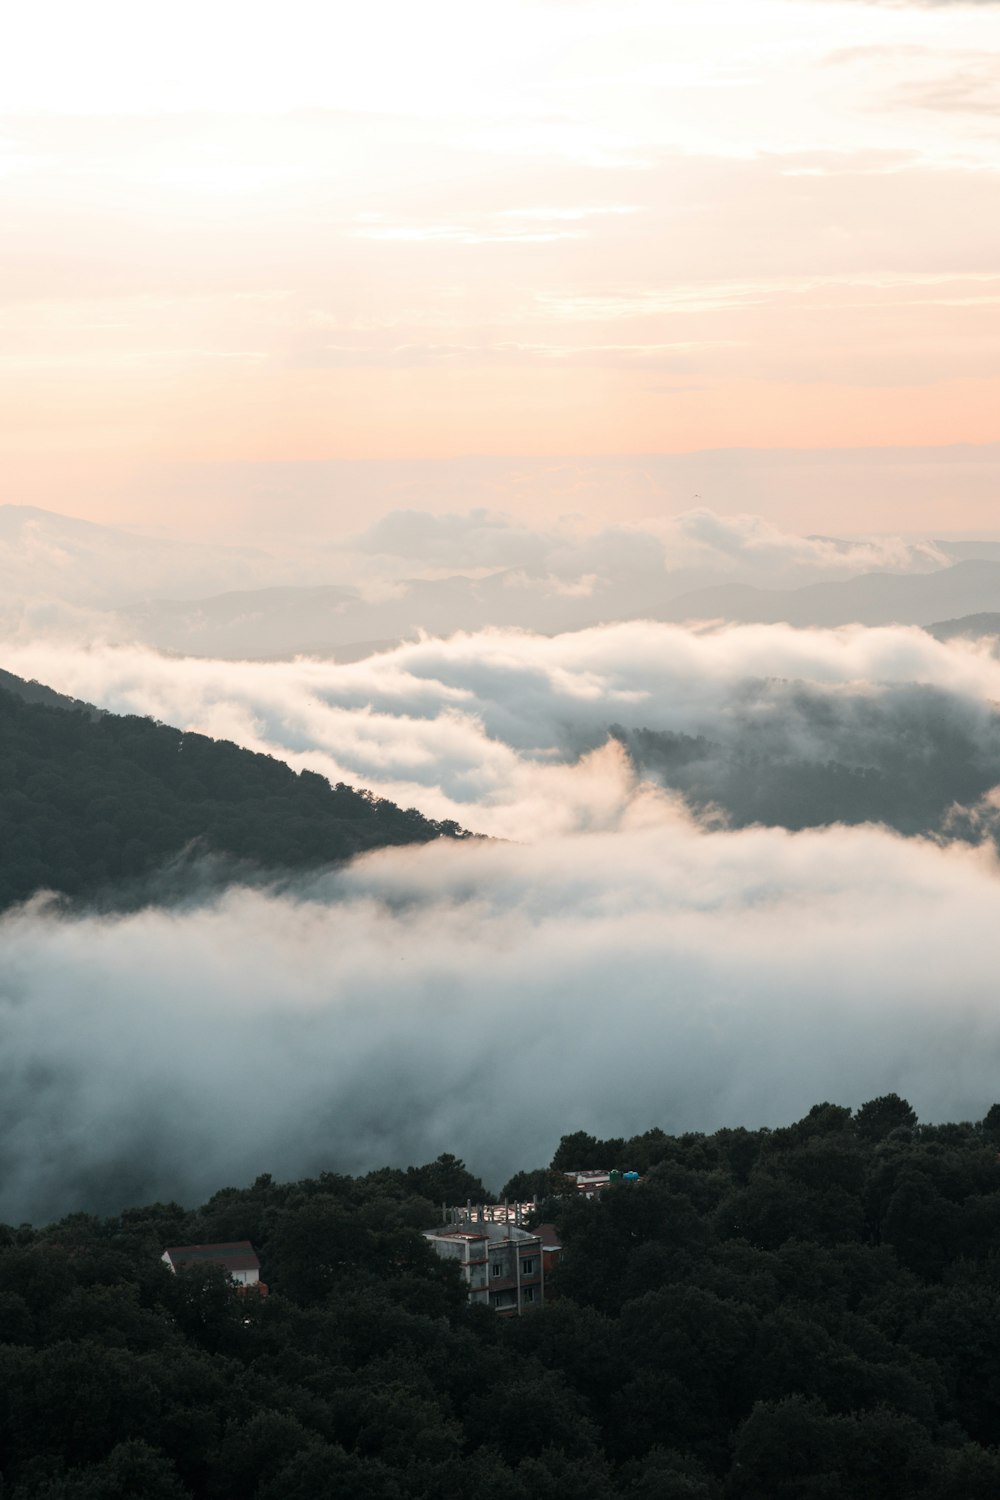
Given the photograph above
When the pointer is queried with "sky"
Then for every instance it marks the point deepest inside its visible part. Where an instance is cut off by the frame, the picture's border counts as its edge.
(241, 242)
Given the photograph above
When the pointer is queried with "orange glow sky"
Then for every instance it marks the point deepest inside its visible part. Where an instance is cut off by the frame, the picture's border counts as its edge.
(252, 232)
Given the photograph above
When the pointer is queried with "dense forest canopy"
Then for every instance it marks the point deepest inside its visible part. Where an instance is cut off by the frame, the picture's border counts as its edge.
(767, 1315)
(93, 804)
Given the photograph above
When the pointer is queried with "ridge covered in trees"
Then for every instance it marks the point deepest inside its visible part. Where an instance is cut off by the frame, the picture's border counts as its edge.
(94, 804)
(767, 1315)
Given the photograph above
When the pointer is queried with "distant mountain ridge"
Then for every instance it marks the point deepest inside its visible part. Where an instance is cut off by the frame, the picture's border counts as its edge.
(971, 627)
(231, 603)
(47, 555)
(965, 588)
(96, 805)
(330, 620)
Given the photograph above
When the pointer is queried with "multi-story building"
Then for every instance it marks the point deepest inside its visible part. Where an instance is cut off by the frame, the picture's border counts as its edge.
(501, 1263)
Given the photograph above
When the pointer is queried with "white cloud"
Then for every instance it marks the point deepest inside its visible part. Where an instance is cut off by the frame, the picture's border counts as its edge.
(488, 727)
(486, 999)
(621, 966)
(699, 542)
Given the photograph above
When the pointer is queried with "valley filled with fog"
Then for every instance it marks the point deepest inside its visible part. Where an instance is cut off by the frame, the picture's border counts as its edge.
(500, 750)
(731, 866)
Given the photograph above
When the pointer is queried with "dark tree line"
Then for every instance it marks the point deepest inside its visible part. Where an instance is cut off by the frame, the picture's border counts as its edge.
(96, 806)
(767, 1315)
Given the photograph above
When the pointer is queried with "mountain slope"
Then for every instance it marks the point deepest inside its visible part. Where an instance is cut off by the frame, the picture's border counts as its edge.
(92, 806)
(37, 692)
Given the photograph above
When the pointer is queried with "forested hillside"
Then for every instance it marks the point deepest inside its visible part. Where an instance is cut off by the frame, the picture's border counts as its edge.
(37, 692)
(90, 804)
(769, 1315)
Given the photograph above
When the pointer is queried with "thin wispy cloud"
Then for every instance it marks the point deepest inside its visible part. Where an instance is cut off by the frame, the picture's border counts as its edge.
(484, 179)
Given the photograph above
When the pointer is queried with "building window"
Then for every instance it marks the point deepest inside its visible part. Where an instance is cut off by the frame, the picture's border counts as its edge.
(496, 1268)
(528, 1294)
(527, 1266)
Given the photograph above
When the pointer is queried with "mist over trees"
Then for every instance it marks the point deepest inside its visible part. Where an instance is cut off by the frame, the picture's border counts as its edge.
(809, 1311)
(910, 756)
(93, 804)
(498, 730)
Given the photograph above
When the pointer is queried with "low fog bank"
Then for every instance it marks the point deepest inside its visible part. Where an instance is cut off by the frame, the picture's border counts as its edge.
(622, 966)
(524, 736)
(486, 999)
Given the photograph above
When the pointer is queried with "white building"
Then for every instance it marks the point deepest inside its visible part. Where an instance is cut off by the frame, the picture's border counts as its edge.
(238, 1257)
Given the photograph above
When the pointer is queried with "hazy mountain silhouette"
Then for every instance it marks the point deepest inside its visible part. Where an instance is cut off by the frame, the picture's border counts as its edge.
(47, 555)
(970, 626)
(335, 619)
(966, 588)
(231, 602)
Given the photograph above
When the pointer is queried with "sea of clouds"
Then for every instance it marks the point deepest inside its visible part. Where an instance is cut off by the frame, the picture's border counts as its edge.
(485, 999)
(609, 961)
(507, 731)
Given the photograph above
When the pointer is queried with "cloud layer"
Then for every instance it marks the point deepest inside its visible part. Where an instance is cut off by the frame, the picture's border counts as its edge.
(612, 965)
(486, 1000)
(507, 731)
(696, 544)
